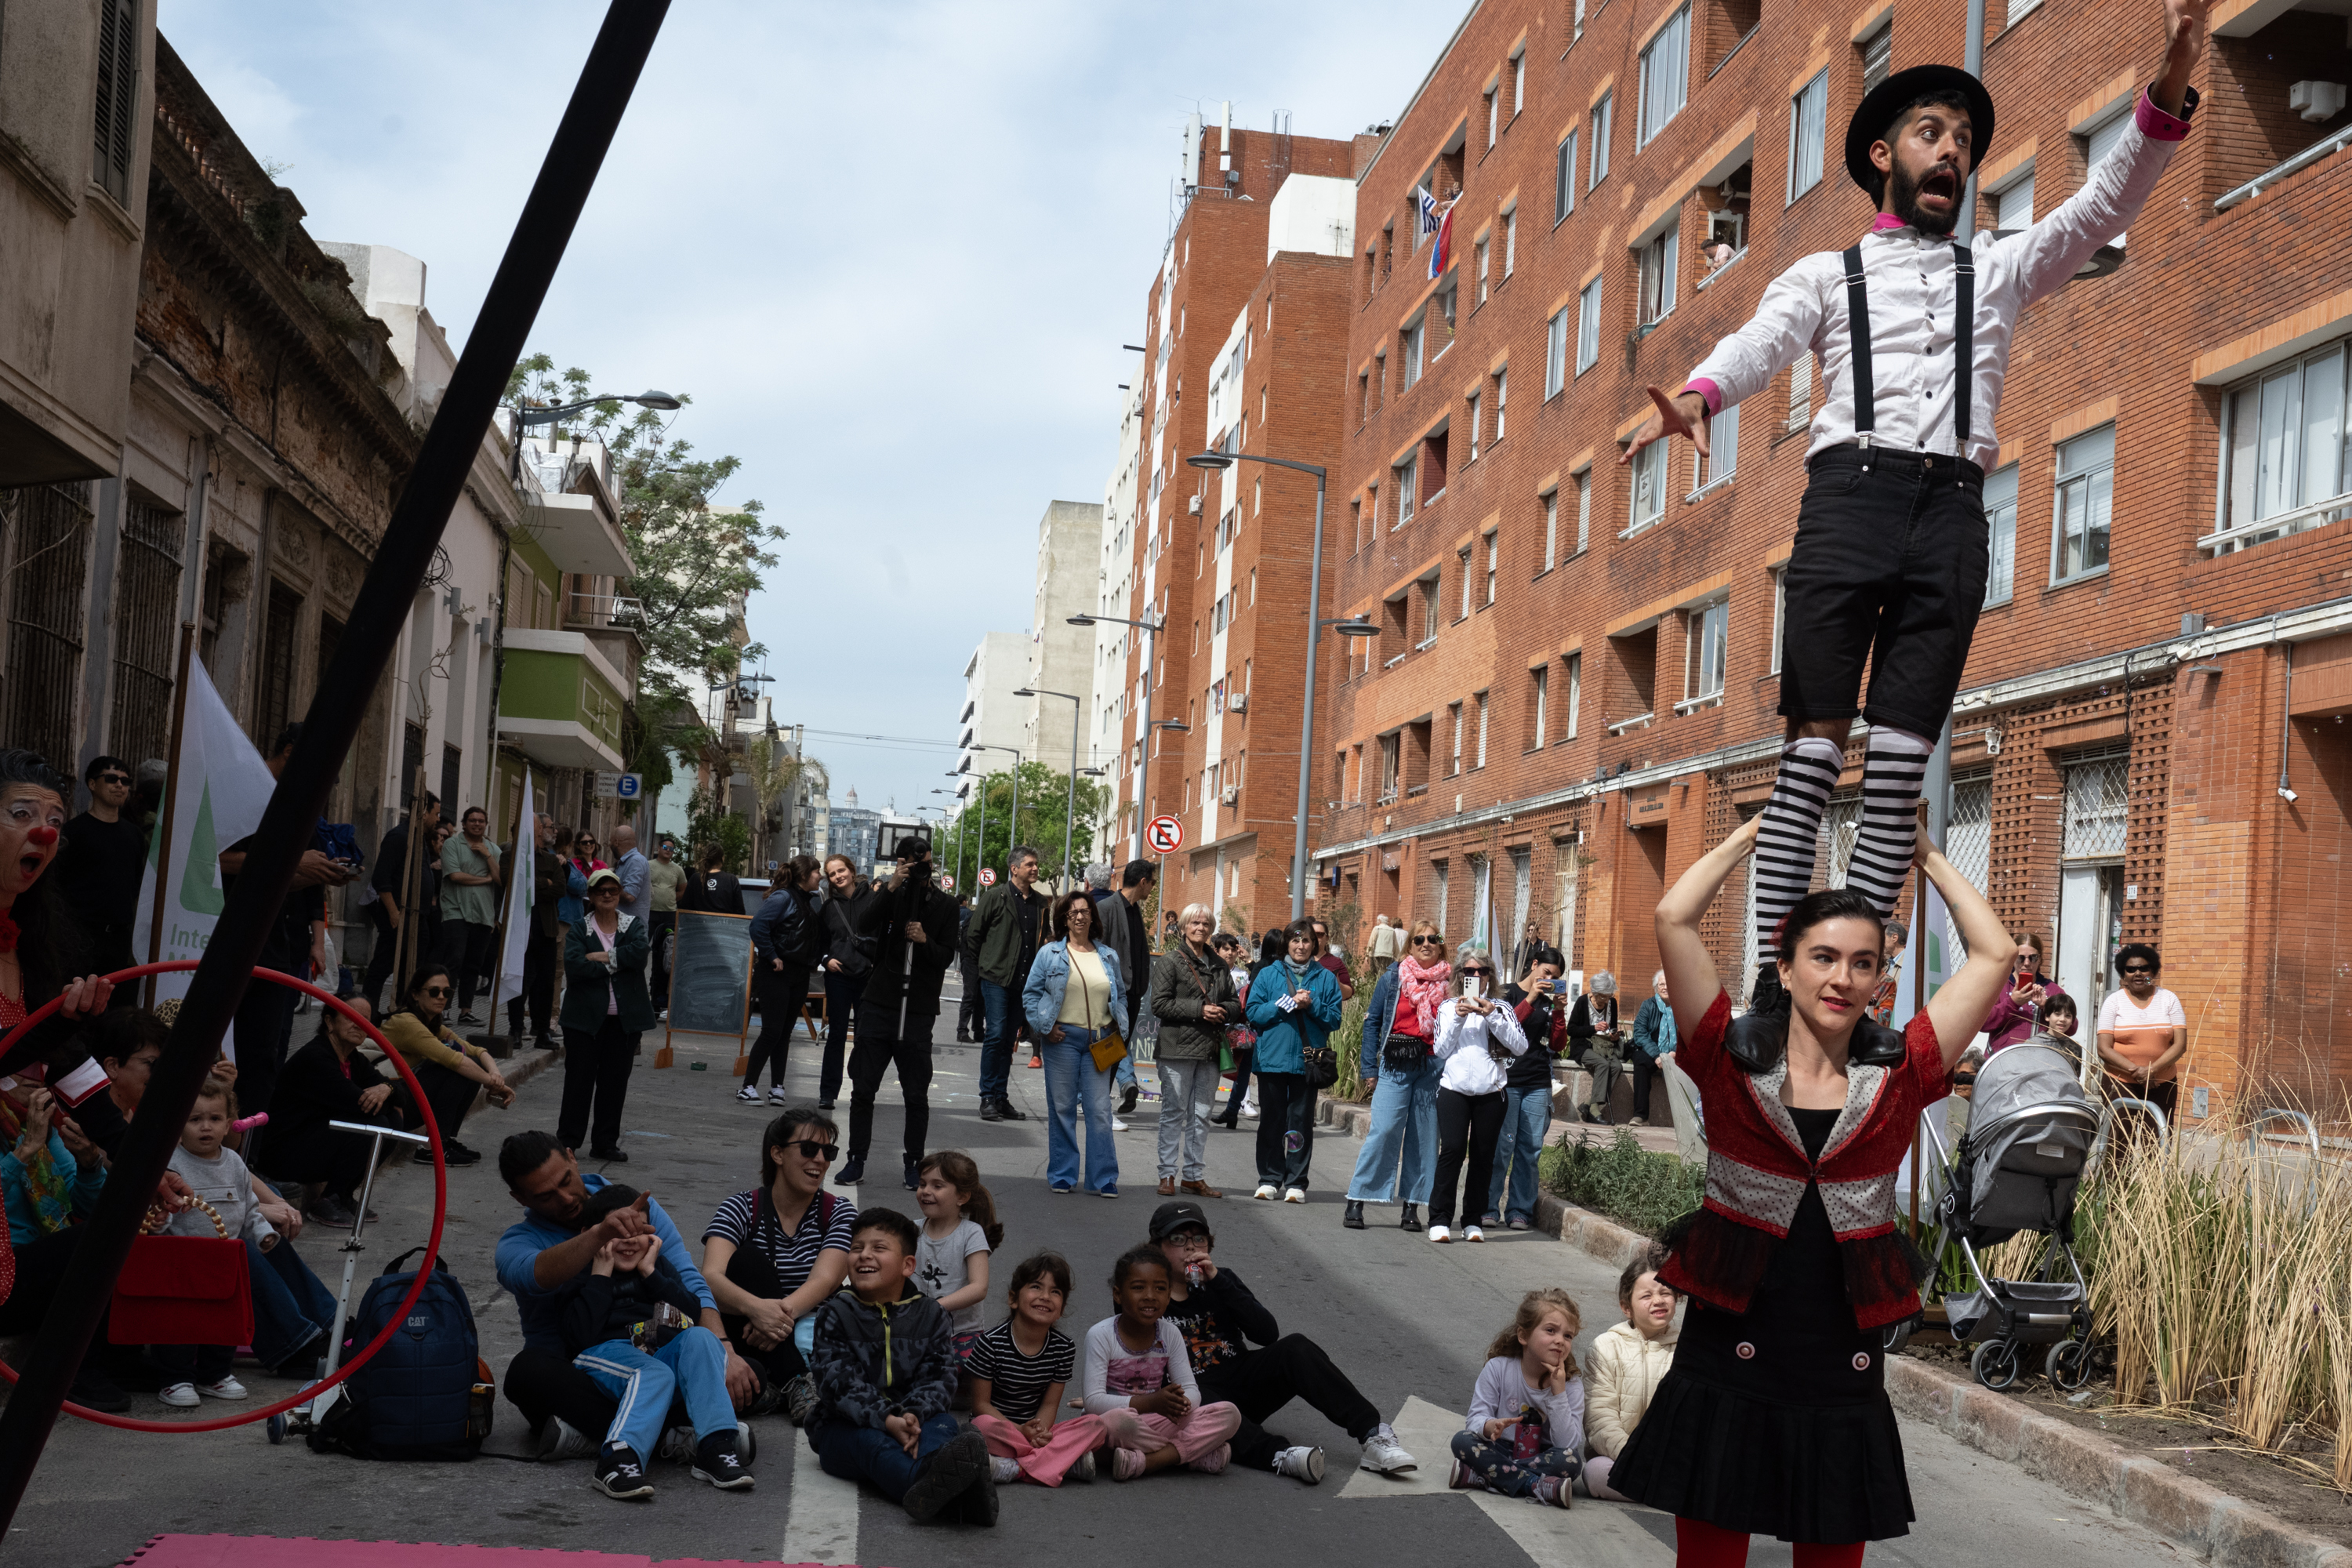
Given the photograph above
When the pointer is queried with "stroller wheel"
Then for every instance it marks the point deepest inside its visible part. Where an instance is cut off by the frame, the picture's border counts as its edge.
(1995, 1364)
(277, 1429)
(2068, 1365)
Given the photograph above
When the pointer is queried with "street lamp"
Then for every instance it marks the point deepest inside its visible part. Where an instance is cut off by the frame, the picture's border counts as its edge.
(525, 417)
(1151, 630)
(1012, 834)
(959, 834)
(1217, 462)
(1070, 803)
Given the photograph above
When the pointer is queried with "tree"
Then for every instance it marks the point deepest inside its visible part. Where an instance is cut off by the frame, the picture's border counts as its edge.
(1045, 802)
(708, 824)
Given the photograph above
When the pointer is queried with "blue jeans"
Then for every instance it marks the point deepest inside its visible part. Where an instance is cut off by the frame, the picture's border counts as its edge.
(1526, 1117)
(291, 1307)
(871, 1455)
(1405, 1122)
(644, 1381)
(1071, 1076)
(1000, 1007)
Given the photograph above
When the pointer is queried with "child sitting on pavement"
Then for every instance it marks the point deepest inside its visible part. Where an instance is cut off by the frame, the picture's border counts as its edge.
(1019, 1369)
(1140, 1380)
(615, 1330)
(1627, 1361)
(885, 1367)
(1526, 1411)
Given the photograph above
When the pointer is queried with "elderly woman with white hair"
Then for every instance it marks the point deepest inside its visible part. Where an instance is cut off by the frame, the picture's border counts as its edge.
(1592, 1040)
(1654, 1041)
(1193, 998)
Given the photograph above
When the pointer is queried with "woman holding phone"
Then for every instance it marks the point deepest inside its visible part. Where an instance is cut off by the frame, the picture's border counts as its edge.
(1478, 1036)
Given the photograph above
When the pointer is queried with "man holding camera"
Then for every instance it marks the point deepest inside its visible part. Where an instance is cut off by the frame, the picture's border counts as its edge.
(911, 929)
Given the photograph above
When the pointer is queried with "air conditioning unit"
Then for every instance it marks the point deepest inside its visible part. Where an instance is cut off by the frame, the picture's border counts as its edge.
(1232, 794)
(2316, 100)
(1238, 702)
(1194, 506)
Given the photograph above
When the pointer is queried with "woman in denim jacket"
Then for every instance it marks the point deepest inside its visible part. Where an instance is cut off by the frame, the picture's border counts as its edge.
(1074, 995)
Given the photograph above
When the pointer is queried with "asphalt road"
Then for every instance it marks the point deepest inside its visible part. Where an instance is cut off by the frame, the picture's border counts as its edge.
(1409, 1321)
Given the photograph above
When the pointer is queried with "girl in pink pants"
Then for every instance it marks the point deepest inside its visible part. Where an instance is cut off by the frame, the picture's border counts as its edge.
(1018, 1370)
(1140, 1380)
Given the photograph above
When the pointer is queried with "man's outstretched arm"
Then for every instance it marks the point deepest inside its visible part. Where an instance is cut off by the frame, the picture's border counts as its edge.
(1786, 322)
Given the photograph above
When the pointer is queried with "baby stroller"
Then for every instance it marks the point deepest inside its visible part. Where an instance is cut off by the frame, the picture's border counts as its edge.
(2031, 1130)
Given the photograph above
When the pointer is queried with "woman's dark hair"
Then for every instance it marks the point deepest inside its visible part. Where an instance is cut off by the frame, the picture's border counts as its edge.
(957, 1169)
(50, 945)
(797, 869)
(714, 857)
(1829, 904)
(790, 1125)
(1135, 1258)
(1298, 930)
(423, 973)
(2132, 950)
(1550, 955)
(1060, 914)
(1038, 1266)
(121, 1032)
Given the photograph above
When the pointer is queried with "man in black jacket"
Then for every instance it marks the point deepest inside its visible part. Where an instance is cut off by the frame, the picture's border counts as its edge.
(909, 926)
(1218, 1317)
(389, 905)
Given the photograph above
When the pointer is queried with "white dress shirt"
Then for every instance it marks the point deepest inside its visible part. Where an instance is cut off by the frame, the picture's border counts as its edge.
(1910, 285)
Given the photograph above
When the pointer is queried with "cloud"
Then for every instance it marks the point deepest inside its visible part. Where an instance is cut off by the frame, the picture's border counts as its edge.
(891, 251)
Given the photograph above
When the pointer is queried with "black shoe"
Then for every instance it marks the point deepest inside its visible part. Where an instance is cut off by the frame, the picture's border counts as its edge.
(1410, 1219)
(978, 1503)
(93, 1390)
(988, 1113)
(610, 1156)
(620, 1474)
(963, 1038)
(946, 1476)
(909, 1177)
(716, 1461)
(332, 1212)
(825, 1105)
(453, 1153)
(852, 1172)
(1584, 1114)
(1759, 1037)
(1353, 1218)
(1008, 1110)
(1127, 1102)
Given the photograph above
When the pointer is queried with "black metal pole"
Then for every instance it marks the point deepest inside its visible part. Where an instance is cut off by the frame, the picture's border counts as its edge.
(496, 342)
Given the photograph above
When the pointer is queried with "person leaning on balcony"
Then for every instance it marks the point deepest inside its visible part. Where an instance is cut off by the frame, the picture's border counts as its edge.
(1913, 331)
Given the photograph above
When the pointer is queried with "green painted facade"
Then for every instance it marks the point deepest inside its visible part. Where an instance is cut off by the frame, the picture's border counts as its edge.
(559, 687)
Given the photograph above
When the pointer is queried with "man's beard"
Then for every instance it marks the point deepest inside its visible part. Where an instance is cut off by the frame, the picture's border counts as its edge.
(1902, 200)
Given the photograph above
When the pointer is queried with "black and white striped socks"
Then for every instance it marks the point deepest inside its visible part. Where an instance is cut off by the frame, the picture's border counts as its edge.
(1894, 767)
(1792, 827)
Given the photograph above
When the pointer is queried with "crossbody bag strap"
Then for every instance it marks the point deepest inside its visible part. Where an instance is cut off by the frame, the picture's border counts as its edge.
(1964, 321)
(1857, 311)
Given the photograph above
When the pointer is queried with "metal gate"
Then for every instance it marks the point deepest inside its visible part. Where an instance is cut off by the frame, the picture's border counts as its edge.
(146, 616)
(48, 533)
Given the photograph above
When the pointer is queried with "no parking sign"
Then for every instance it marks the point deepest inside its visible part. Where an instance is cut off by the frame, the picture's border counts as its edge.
(1165, 834)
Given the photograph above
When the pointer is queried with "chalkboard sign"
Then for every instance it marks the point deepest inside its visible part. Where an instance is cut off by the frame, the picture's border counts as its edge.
(710, 974)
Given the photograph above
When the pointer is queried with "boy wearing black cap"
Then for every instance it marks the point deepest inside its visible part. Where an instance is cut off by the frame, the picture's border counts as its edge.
(1218, 1317)
(1892, 550)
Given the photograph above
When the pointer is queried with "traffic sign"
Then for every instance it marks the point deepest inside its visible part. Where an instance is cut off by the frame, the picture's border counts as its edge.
(629, 787)
(988, 876)
(1165, 834)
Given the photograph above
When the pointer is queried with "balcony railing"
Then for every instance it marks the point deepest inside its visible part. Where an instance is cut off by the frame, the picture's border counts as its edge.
(603, 610)
(2302, 520)
(2327, 145)
(1635, 722)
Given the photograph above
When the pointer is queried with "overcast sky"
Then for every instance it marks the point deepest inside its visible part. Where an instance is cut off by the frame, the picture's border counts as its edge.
(891, 249)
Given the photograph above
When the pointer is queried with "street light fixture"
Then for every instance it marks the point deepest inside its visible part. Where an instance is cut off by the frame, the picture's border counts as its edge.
(526, 417)
(956, 794)
(1217, 462)
(1012, 835)
(1070, 803)
(1151, 630)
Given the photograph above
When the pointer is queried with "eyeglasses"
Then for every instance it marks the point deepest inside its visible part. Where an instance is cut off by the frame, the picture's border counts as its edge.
(2137, 969)
(114, 778)
(1477, 972)
(434, 991)
(1428, 941)
(810, 1149)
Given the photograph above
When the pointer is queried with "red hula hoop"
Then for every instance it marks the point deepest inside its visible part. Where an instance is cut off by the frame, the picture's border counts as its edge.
(432, 1245)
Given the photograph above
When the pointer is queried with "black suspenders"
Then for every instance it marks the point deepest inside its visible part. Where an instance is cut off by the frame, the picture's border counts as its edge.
(1963, 348)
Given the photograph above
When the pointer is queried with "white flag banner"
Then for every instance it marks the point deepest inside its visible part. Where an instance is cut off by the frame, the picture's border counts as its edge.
(523, 878)
(220, 786)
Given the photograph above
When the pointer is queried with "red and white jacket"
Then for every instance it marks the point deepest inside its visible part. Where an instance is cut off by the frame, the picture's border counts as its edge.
(1757, 1172)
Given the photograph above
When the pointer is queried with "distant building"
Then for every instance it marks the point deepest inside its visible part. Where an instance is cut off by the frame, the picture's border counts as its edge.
(856, 833)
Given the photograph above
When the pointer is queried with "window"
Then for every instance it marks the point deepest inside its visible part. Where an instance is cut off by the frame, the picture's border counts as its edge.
(1502, 392)
(1588, 327)
(1454, 723)
(2000, 520)
(2098, 808)
(117, 100)
(1583, 510)
(1482, 272)
(2100, 141)
(2284, 448)
(1494, 111)
(1409, 352)
(1666, 78)
(1538, 684)
(1779, 613)
(1706, 638)
(1404, 472)
(1518, 82)
(1464, 554)
(1563, 179)
(1437, 874)
(1658, 278)
(1600, 141)
(1494, 561)
(1801, 394)
(1808, 122)
(1474, 427)
(1877, 56)
(1575, 694)
(1649, 486)
(1510, 241)
(2013, 203)
(1428, 610)
(1550, 500)
(1555, 353)
(1389, 746)
(2086, 482)
(1479, 701)
(1723, 452)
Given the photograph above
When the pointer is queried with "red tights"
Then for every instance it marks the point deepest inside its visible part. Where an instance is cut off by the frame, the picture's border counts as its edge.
(1702, 1545)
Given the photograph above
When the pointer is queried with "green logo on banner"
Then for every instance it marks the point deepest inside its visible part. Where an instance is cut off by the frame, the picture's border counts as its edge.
(200, 891)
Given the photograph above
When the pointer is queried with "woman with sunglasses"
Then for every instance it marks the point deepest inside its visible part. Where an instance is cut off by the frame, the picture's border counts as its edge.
(776, 1254)
(1399, 1029)
(450, 1070)
(1294, 1005)
(1073, 996)
(2019, 1006)
(1478, 1037)
(583, 853)
(2143, 1032)
(606, 1002)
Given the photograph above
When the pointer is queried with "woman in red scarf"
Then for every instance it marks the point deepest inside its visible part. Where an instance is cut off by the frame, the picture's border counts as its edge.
(1774, 1418)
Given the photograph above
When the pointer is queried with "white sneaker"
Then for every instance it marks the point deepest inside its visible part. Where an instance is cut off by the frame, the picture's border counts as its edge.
(1294, 1195)
(180, 1395)
(227, 1388)
(1471, 1233)
(1383, 1455)
(1439, 1233)
(1265, 1192)
(559, 1439)
(1118, 1126)
(1006, 1471)
(748, 1095)
(1300, 1464)
(776, 1095)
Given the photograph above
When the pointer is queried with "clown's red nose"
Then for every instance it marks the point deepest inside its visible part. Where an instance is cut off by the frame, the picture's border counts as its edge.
(43, 836)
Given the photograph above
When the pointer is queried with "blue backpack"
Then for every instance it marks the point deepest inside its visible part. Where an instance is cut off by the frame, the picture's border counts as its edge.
(426, 1394)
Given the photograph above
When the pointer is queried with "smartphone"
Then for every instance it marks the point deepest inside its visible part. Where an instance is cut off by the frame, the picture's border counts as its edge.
(1473, 987)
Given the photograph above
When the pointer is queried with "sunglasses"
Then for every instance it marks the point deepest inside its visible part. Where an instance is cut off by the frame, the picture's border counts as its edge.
(810, 1149)
(1477, 972)
(1428, 941)
(2137, 969)
(434, 991)
(114, 778)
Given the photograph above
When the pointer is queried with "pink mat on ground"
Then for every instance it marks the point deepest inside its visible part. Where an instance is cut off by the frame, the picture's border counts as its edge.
(270, 1551)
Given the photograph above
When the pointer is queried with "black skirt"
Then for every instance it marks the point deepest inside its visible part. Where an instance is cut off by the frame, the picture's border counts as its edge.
(1775, 1421)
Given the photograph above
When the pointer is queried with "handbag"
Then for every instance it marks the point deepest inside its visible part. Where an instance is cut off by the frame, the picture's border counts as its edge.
(183, 1289)
(1108, 1047)
(1322, 1066)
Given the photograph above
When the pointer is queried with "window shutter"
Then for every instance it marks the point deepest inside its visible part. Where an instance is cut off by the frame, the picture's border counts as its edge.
(118, 96)
(1877, 57)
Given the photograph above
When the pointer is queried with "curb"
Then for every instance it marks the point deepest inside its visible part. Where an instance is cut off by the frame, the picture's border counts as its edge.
(2225, 1530)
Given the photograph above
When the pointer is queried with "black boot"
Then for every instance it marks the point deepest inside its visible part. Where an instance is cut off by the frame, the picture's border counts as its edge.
(1354, 1217)
(1759, 1037)
(910, 1176)
(1007, 1112)
(1410, 1219)
(853, 1171)
(1127, 1102)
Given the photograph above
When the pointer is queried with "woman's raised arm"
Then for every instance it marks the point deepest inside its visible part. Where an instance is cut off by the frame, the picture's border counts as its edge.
(1960, 1004)
(1691, 978)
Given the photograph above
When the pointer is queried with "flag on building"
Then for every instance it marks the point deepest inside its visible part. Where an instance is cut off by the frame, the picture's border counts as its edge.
(220, 786)
(1441, 253)
(523, 878)
(1424, 211)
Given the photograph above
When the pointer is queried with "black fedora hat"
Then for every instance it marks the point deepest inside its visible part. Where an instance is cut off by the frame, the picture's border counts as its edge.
(1882, 104)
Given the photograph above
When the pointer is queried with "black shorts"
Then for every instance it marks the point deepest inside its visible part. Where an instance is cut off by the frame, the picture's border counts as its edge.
(1890, 566)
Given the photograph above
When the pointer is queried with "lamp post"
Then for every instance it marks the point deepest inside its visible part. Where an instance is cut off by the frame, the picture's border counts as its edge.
(961, 835)
(1151, 630)
(1070, 802)
(525, 417)
(1013, 833)
(1352, 627)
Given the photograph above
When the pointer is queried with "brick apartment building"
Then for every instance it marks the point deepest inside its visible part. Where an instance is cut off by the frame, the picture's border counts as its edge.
(1574, 692)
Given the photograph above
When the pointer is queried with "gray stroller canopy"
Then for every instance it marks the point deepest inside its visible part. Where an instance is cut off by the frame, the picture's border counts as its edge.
(2030, 1127)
